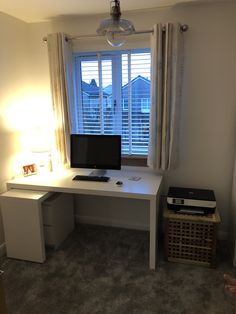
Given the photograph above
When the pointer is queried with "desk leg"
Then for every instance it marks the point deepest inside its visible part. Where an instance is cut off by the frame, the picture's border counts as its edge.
(153, 232)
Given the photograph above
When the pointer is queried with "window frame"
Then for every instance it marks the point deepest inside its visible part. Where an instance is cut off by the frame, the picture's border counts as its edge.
(105, 55)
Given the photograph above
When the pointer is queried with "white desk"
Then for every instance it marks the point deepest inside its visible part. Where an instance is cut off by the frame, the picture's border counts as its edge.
(147, 188)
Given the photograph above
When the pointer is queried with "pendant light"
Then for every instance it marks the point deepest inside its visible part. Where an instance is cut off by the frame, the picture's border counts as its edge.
(115, 29)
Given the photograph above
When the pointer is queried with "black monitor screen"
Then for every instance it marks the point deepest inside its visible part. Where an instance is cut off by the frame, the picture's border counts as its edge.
(95, 151)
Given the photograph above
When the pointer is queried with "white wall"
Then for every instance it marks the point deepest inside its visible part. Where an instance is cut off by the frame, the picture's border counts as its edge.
(207, 140)
(13, 89)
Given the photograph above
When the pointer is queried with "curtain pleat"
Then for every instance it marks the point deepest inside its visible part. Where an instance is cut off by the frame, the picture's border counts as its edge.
(156, 97)
(165, 94)
(176, 92)
(61, 72)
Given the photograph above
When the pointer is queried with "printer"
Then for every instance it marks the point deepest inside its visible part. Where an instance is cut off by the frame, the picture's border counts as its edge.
(191, 201)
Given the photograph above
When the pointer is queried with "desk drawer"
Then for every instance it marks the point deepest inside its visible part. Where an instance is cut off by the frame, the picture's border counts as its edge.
(58, 218)
(58, 207)
(49, 235)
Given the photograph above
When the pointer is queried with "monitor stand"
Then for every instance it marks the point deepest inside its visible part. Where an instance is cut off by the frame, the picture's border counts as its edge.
(98, 172)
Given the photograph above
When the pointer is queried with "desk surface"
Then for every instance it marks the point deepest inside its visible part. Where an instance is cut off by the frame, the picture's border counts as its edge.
(61, 181)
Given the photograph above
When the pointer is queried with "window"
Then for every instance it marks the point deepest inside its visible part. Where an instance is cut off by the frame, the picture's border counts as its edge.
(145, 105)
(113, 97)
(125, 104)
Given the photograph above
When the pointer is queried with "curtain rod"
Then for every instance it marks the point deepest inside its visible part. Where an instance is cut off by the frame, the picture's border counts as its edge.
(183, 28)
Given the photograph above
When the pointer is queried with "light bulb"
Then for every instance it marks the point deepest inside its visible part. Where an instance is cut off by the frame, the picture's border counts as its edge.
(115, 36)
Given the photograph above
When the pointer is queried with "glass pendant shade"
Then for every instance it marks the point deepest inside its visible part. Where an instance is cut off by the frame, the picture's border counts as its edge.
(116, 29)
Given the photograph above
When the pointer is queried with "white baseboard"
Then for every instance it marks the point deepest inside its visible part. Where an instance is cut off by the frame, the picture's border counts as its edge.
(2, 249)
(109, 222)
(92, 220)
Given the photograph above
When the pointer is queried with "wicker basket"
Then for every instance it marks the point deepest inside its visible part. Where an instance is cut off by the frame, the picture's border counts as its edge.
(191, 238)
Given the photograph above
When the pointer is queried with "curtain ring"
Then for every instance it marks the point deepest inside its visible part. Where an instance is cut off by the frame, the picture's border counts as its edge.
(184, 28)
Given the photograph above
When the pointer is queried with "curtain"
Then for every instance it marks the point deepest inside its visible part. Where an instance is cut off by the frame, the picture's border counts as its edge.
(61, 77)
(166, 77)
(233, 210)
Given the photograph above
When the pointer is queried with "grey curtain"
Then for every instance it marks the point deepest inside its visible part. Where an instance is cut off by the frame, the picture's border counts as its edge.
(167, 69)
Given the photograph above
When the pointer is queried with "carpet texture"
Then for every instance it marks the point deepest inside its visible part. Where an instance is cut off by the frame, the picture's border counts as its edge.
(105, 270)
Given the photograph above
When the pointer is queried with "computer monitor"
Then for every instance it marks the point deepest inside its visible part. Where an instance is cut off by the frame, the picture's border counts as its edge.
(100, 152)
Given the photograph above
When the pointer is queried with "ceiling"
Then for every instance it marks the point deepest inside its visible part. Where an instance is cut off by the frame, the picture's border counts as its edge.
(37, 11)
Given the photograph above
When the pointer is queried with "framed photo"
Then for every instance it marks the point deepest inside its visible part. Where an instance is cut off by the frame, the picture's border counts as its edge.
(29, 170)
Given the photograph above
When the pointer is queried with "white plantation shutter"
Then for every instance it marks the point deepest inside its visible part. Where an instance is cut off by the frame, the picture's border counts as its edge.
(113, 97)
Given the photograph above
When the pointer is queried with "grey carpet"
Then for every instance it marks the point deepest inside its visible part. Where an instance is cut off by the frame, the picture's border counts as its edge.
(105, 270)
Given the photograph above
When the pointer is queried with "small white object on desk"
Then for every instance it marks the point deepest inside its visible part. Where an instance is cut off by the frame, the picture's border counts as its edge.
(134, 178)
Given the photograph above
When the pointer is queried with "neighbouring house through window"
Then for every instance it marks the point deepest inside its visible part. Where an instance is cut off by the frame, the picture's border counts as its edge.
(113, 97)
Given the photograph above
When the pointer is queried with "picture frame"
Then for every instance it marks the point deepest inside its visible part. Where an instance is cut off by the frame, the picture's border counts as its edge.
(29, 170)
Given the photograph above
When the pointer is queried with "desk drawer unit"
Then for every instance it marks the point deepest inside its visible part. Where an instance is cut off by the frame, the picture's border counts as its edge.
(191, 238)
(22, 223)
(58, 218)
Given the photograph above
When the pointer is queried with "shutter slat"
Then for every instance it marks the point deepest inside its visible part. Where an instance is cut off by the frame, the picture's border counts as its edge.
(131, 116)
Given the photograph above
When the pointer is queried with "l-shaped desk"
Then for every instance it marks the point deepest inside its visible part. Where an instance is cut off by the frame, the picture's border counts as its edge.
(148, 187)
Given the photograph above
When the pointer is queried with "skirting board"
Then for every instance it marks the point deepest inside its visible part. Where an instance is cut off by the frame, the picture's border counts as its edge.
(2, 249)
(108, 222)
(222, 235)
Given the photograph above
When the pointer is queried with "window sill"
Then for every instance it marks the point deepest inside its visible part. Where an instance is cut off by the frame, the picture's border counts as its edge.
(137, 161)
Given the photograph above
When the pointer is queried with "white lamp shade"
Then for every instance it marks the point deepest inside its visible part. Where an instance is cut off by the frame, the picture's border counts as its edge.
(40, 140)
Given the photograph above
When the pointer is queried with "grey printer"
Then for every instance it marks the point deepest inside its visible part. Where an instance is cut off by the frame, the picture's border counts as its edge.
(191, 201)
